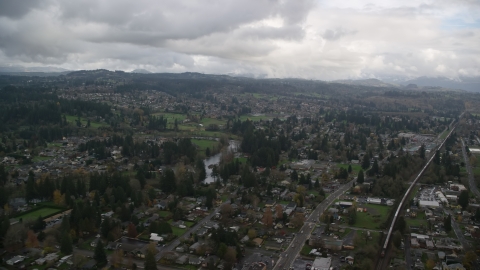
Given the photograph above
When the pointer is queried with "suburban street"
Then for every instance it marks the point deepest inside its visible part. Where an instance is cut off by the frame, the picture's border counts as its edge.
(288, 257)
(408, 256)
(187, 234)
(460, 235)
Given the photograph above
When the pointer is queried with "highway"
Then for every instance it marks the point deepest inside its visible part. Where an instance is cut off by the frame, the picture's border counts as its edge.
(383, 263)
(288, 256)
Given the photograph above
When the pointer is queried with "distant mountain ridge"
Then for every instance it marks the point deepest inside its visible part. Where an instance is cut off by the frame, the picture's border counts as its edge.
(16, 69)
(140, 70)
(366, 82)
(471, 84)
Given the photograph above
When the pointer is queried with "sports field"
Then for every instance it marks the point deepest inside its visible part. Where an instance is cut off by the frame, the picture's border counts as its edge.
(41, 212)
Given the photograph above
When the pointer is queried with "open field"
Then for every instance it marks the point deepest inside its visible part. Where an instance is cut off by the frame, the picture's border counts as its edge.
(94, 124)
(41, 212)
(418, 221)
(355, 167)
(203, 144)
(363, 241)
(374, 218)
(178, 231)
(255, 118)
(39, 158)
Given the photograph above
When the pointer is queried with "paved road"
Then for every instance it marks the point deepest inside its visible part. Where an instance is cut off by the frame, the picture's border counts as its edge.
(458, 231)
(471, 180)
(288, 256)
(408, 256)
(187, 234)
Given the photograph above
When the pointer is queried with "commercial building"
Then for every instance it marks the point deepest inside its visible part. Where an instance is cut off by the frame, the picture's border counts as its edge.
(428, 204)
(322, 263)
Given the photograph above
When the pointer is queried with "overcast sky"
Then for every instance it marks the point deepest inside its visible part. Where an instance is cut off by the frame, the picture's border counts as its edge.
(325, 40)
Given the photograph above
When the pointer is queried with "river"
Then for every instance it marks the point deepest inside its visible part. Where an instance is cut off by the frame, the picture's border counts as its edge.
(214, 160)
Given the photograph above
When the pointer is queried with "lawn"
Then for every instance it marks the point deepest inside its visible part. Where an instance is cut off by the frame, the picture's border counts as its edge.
(203, 144)
(242, 160)
(178, 231)
(374, 218)
(94, 124)
(355, 167)
(39, 158)
(306, 250)
(41, 212)
(363, 242)
(164, 214)
(210, 121)
(418, 221)
(171, 117)
(254, 117)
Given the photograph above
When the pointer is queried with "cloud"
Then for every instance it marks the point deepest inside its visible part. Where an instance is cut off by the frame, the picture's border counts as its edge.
(280, 38)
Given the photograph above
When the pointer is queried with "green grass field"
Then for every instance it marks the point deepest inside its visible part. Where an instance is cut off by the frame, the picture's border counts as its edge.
(254, 118)
(164, 214)
(355, 167)
(363, 241)
(178, 231)
(203, 144)
(368, 221)
(41, 212)
(306, 250)
(93, 124)
(39, 158)
(418, 221)
(242, 160)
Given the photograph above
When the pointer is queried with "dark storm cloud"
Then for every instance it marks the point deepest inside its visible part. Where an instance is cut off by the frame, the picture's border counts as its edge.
(17, 8)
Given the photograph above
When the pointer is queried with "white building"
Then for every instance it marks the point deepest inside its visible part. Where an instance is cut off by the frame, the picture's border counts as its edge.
(322, 263)
(155, 237)
(374, 200)
(428, 204)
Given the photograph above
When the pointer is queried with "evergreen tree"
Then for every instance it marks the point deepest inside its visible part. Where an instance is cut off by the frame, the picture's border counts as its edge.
(66, 243)
(167, 181)
(422, 151)
(463, 199)
(365, 162)
(30, 188)
(150, 263)
(361, 177)
(99, 254)
(349, 168)
(447, 223)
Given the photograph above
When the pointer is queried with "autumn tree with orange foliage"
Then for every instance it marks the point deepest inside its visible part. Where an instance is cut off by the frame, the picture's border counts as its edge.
(31, 240)
(132, 230)
(267, 218)
(279, 211)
